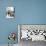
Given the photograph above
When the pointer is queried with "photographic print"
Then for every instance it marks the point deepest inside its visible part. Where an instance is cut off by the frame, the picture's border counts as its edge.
(28, 33)
(10, 12)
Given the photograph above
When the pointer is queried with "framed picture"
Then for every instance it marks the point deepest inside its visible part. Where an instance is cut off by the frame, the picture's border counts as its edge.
(31, 32)
(10, 12)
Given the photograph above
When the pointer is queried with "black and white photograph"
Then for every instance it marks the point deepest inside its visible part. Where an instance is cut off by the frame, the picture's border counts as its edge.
(31, 34)
(10, 12)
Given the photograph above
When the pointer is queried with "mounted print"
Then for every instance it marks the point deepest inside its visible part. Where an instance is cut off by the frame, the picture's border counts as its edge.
(32, 32)
(10, 12)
